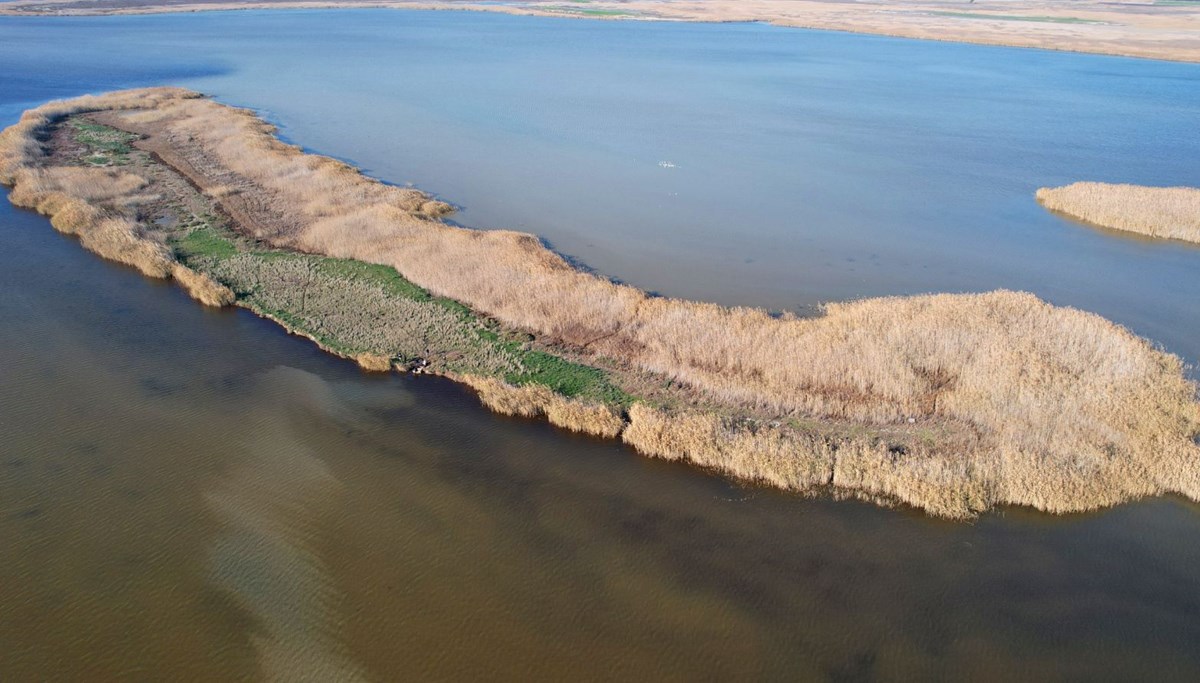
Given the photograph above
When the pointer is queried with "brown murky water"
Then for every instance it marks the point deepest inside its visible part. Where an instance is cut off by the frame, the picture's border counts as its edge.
(190, 494)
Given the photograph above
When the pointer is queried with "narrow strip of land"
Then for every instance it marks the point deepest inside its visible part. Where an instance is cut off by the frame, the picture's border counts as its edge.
(951, 403)
(1157, 29)
(1161, 212)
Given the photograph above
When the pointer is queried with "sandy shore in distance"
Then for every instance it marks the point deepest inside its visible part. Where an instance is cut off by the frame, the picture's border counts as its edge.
(1158, 29)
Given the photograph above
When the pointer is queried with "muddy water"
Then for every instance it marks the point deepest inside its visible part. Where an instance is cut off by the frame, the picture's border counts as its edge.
(190, 494)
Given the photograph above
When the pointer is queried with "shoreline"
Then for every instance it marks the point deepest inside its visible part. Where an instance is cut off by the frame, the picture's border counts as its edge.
(1140, 30)
(938, 422)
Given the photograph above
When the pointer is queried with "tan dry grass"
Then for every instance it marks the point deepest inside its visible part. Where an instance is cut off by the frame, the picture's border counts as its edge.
(535, 400)
(104, 232)
(374, 362)
(1164, 212)
(20, 143)
(202, 288)
(1071, 412)
(89, 184)
(770, 455)
(120, 240)
(95, 204)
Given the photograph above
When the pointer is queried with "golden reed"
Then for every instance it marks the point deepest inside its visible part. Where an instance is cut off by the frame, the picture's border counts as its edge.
(996, 398)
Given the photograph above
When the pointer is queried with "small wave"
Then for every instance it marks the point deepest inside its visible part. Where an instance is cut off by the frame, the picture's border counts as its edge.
(273, 509)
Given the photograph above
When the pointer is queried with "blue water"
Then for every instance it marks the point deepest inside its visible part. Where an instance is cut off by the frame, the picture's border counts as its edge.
(808, 166)
(192, 494)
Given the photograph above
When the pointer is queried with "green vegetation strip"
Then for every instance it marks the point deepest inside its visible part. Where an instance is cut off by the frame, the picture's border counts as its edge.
(352, 308)
(106, 146)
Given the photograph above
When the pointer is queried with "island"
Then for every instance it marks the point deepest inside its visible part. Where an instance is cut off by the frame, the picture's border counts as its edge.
(1162, 212)
(951, 403)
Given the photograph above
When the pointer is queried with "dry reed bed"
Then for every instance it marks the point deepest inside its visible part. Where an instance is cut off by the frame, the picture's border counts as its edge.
(94, 204)
(1163, 212)
(1065, 411)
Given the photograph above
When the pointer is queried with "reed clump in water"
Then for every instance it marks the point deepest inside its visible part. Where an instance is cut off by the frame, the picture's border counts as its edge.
(538, 400)
(953, 403)
(1163, 212)
(202, 288)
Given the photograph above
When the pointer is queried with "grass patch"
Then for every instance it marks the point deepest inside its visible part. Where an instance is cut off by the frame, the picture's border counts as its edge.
(108, 146)
(204, 243)
(299, 301)
(390, 281)
(573, 380)
(384, 277)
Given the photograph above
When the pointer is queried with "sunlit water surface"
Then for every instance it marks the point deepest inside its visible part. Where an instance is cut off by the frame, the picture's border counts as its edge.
(192, 494)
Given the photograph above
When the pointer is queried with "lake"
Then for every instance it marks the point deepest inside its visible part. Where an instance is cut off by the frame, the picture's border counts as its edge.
(193, 494)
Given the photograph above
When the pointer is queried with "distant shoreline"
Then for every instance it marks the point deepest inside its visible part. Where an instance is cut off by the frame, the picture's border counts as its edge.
(952, 403)
(1164, 29)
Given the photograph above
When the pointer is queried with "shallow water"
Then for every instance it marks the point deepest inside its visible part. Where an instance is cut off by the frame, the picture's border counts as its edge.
(193, 494)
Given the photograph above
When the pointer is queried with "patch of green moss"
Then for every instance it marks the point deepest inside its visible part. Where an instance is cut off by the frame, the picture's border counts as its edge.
(204, 242)
(567, 378)
(207, 242)
(372, 273)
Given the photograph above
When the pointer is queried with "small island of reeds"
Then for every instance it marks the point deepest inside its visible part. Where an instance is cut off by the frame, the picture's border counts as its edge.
(1162, 212)
(952, 403)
